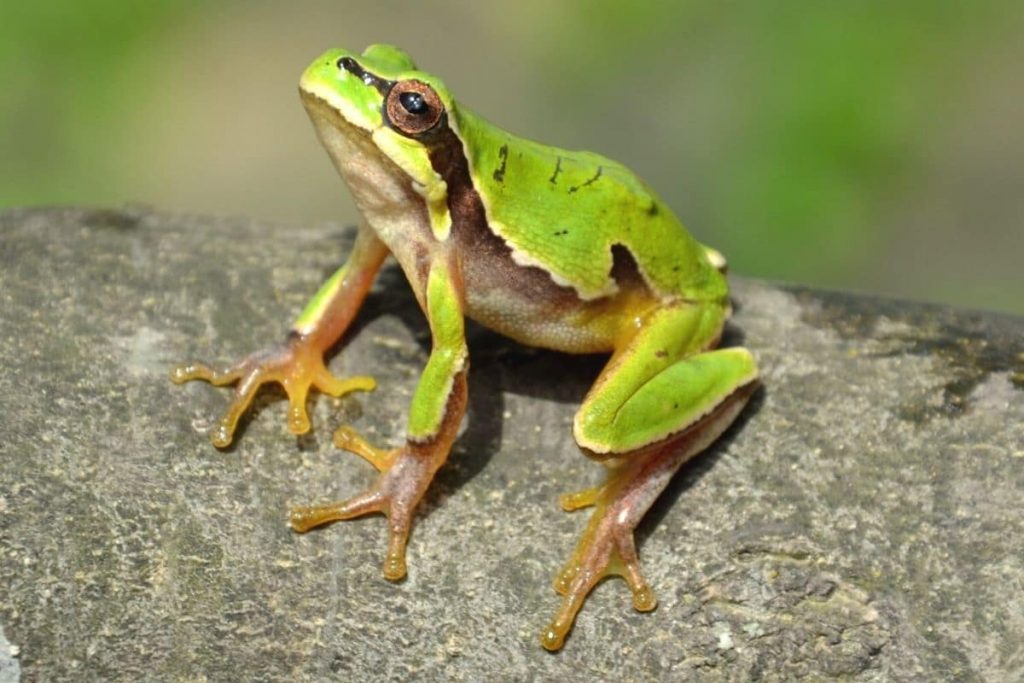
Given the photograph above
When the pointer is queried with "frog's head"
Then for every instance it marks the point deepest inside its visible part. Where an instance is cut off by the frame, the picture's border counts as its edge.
(380, 87)
(380, 98)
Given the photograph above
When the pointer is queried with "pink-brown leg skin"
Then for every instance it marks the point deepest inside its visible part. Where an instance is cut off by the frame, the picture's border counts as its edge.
(634, 482)
(405, 474)
(297, 365)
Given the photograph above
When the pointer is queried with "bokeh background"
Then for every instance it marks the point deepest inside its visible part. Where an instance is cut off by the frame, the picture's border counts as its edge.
(867, 145)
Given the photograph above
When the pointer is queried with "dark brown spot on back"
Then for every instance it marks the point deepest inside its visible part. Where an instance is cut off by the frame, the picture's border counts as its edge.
(591, 181)
(558, 169)
(499, 173)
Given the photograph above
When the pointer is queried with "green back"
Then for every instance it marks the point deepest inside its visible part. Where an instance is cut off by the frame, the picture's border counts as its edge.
(564, 211)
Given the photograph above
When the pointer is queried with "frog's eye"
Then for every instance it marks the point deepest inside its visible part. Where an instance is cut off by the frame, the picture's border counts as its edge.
(413, 107)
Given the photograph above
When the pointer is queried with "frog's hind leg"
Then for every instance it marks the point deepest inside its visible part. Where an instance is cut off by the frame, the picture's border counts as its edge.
(654, 407)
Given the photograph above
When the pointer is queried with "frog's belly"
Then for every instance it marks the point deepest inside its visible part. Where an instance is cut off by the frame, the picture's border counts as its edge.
(527, 306)
(536, 325)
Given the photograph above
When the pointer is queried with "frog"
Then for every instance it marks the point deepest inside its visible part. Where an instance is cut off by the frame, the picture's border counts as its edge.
(557, 249)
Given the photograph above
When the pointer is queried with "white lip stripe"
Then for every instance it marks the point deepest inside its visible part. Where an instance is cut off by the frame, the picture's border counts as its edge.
(339, 104)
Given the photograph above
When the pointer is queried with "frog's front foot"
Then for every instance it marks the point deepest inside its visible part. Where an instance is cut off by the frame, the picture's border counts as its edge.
(405, 474)
(296, 365)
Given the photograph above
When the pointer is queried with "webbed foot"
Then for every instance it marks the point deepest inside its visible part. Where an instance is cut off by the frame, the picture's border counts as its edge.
(296, 365)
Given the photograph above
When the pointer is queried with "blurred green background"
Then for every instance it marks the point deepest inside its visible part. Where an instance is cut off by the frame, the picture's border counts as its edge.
(865, 145)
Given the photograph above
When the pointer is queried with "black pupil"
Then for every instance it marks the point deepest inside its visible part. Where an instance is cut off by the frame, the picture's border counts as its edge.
(413, 102)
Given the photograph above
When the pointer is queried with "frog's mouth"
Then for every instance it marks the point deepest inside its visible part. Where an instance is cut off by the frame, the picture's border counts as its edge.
(322, 111)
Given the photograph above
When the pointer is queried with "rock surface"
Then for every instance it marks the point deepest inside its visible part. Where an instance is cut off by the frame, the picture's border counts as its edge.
(863, 521)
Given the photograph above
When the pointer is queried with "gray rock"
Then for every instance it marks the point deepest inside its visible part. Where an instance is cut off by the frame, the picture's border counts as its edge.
(863, 521)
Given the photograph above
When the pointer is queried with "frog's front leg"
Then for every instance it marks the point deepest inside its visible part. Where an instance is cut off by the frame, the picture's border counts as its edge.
(434, 416)
(298, 363)
(661, 400)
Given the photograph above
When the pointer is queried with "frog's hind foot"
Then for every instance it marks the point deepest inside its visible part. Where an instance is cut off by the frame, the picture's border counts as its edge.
(295, 365)
(606, 548)
(634, 482)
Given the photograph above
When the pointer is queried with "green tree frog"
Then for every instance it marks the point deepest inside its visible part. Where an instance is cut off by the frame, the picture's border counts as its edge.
(553, 248)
